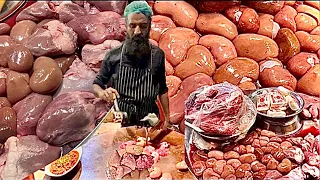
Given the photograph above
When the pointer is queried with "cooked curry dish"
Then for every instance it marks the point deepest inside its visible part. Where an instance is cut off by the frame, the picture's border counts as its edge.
(65, 163)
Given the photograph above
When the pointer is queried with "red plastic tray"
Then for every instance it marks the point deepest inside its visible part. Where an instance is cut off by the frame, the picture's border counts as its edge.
(313, 130)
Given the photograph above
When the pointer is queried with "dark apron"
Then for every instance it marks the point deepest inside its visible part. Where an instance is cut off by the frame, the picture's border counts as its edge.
(138, 93)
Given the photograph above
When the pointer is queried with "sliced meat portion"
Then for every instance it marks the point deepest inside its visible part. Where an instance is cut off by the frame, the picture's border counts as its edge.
(27, 154)
(128, 161)
(144, 162)
(115, 159)
(29, 111)
(53, 38)
(96, 28)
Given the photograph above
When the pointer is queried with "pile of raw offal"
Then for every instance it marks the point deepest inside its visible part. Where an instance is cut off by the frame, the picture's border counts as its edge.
(260, 155)
(47, 55)
(136, 160)
(249, 44)
(46, 75)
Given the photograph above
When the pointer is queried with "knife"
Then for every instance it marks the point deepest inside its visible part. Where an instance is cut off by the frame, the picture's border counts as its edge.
(85, 140)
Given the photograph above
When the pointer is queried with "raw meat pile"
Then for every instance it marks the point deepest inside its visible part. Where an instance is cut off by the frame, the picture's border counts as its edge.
(45, 85)
(260, 155)
(216, 109)
(248, 44)
(136, 160)
(46, 57)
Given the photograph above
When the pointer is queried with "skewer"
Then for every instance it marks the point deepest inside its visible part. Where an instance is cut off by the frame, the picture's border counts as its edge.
(147, 135)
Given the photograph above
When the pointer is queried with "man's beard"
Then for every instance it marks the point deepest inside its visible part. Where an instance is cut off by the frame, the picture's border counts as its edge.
(137, 46)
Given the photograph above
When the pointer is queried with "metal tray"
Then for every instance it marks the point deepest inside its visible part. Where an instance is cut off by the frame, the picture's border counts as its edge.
(10, 7)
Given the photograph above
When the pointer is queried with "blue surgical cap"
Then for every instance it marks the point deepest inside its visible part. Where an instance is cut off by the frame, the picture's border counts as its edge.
(138, 7)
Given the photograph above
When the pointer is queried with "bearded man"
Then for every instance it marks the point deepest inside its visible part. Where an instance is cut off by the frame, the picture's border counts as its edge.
(135, 71)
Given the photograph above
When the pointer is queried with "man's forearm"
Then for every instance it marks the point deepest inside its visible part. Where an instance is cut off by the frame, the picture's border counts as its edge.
(164, 100)
(96, 89)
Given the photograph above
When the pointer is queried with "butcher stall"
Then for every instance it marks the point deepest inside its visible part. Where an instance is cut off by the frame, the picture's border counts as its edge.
(243, 79)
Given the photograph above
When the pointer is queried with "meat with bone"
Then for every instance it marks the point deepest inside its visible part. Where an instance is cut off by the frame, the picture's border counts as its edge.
(53, 38)
(216, 109)
(69, 117)
(99, 27)
(93, 55)
(78, 78)
(26, 155)
(29, 111)
(38, 11)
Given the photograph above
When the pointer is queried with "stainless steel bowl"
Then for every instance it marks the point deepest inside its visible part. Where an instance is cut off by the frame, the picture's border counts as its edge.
(299, 99)
(282, 126)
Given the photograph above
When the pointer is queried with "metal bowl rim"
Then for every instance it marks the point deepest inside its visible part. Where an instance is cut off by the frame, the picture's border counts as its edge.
(296, 95)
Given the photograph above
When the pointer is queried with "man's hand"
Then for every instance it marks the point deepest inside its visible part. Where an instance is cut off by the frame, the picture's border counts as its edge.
(107, 94)
(166, 125)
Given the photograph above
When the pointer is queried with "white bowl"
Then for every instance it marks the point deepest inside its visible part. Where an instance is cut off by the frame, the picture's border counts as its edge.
(47, 168)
